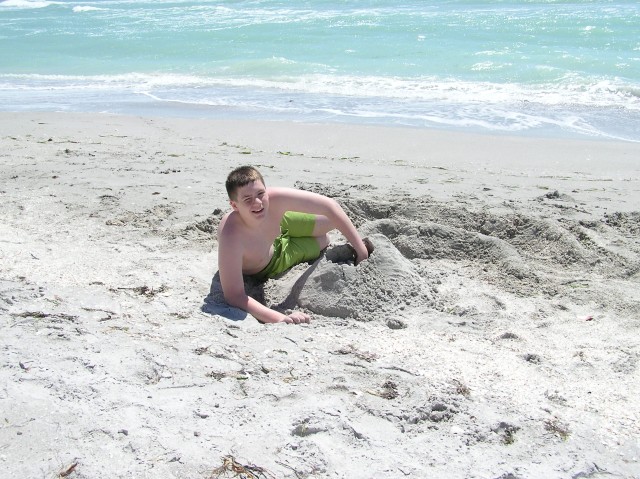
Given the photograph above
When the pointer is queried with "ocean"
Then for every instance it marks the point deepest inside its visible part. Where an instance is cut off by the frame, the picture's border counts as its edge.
(546, 68)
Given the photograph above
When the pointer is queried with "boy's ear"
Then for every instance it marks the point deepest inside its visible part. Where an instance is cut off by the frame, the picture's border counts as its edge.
(233, 204)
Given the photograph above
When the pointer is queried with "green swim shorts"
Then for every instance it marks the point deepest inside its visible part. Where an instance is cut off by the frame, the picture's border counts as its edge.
(294, 245)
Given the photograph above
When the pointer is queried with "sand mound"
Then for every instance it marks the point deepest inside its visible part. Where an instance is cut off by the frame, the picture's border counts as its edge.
(376, 288)
(521, 253)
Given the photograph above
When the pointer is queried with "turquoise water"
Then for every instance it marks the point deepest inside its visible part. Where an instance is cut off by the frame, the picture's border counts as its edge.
(558, 68)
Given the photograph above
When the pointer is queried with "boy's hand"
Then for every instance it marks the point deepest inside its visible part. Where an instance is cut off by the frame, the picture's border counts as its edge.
(297, 317)
(361, 256)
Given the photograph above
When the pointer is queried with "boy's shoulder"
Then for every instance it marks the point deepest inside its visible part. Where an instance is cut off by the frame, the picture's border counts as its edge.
(230, 225)
(283, 196)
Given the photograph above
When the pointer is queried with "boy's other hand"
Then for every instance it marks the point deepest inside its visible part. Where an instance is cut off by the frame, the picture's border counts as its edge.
(297, 317)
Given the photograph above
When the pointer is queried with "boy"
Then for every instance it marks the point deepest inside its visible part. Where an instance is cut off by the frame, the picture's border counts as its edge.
(268, 231)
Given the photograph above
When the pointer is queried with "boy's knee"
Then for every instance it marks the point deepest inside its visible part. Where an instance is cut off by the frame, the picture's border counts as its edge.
(323, 241)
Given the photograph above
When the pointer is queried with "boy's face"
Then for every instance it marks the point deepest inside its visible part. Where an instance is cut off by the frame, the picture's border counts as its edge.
(252, 200)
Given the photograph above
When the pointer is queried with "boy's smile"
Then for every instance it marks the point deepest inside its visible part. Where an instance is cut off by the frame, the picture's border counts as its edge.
(252, 199)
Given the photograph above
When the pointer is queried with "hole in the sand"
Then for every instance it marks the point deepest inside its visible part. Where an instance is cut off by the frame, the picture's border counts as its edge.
(509, 335)
(343, 253)
(396, 324)
(532, 358)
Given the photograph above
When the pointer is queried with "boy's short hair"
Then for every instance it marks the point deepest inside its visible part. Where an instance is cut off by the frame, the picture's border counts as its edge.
(240, 177)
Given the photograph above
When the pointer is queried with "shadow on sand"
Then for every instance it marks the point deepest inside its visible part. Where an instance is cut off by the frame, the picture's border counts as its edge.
(215, 304)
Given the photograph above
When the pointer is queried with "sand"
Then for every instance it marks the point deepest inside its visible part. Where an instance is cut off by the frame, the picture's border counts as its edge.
(492, 334)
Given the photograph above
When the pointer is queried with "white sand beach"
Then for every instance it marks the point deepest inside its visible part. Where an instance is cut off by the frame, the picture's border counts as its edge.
(494, 332)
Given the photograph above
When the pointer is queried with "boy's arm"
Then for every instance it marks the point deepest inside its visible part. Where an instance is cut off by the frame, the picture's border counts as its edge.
(230, 270)
(288, 199)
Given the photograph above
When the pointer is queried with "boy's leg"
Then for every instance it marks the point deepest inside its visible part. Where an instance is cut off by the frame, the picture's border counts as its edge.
(321, 230)
(307, 226)
(303, 225)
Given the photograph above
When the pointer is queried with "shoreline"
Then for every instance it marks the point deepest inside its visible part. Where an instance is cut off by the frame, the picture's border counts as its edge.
(151, 108)
(492, 334)
(406, 156)
(411, 135)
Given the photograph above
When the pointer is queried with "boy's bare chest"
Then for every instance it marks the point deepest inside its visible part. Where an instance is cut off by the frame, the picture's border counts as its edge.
(263, 235)
(257, 246)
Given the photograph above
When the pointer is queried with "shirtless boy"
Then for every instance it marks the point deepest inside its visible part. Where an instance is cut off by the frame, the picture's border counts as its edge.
(268, 231)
